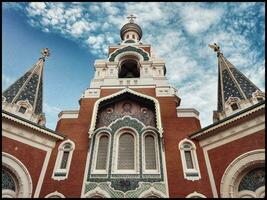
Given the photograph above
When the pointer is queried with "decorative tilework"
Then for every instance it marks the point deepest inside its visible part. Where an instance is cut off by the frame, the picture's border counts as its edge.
(129, 48)
(253, 180)
(247, 86)
(7, 181)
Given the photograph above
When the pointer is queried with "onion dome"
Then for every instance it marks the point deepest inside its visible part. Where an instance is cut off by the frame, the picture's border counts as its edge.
(131, 27)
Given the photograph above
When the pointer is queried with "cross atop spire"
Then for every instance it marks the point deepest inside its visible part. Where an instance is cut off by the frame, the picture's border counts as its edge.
(235, 90)
(45, 53)
(131, 18)
(216, 48)
(27, 91)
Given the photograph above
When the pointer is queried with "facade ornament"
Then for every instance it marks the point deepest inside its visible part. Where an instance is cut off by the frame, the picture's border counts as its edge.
(216, 48)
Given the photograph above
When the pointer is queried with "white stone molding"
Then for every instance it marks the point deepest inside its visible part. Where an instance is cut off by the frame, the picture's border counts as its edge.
(95, 110)
(97, 192)
(187, 171)
(152, 192)
(57, 168)
(55, 194)
(91, 93)
(114, 167)
(187, 112)
(154, 135)
(195, 195)
(95, 153)
(42, 174)
(235, 171)
(228, 121)
(19, 121)
(68, 114)
(18, 169)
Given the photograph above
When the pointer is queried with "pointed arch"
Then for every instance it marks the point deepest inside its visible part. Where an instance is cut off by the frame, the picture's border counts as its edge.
(126, 90)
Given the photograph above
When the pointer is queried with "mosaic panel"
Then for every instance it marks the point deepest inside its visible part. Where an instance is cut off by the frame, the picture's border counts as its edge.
(129, 48)
(253, 180)
(7, 181)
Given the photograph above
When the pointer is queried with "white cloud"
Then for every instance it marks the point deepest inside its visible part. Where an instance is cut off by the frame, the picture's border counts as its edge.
(197, 19)
(179, 33)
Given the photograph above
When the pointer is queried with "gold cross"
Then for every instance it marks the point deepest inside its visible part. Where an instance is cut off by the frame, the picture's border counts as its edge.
(131, 18)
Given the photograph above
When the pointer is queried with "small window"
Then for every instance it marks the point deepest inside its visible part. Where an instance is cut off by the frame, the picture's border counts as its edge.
(189, 160)
(234, 106)
(259, 98)
(63, 161)
(22, 109)
(133, 36)
(127, 36)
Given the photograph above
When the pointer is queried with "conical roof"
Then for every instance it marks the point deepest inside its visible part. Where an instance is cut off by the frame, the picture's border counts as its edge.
(232, 83)
(29, 87)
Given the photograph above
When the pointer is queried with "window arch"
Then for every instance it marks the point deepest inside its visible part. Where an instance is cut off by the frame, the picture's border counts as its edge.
(63, 161)
(126, 160)
(126, 157)
(195, 195)
(55, 194)
(9, 184)
(101, 155)
(16, 179)
(150, 153)
(189, 160)
(244, 169)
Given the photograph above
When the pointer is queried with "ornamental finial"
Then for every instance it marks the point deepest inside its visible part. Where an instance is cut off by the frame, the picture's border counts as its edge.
(45, 53)
(131, 18)
(216, 48)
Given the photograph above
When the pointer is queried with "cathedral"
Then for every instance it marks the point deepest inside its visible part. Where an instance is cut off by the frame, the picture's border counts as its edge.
(130, 138)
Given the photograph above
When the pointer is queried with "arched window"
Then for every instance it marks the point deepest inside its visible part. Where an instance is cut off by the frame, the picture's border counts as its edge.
(63, 161)
(102, 153)
(16, 179)
(150, 152)
(126, 152)
(9, 185)
(55, 194)
(189, 160)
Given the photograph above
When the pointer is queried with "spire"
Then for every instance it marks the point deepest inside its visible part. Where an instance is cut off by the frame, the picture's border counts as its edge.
(27, 91)
(235, 90)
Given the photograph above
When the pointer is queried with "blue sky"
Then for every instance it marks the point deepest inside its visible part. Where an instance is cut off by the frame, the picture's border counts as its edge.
(79, 33)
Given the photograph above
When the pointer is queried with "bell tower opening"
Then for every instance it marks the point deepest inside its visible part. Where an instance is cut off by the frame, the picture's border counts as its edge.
(129, 68)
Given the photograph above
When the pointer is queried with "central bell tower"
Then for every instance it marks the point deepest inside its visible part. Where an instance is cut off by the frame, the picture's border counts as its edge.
(130, 64)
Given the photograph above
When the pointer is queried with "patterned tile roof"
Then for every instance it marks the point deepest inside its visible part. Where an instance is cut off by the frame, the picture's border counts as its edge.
(29, 87)
(232, 83)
